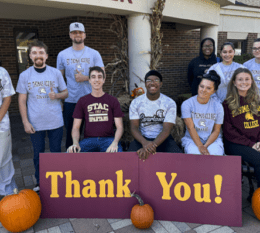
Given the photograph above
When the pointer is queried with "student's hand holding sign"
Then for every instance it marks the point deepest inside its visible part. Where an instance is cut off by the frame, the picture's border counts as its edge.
(113, 147)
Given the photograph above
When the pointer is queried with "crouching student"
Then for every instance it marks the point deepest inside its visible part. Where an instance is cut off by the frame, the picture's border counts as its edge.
(241, 128)
(100, 111)
(152, 117)
(7, 182)
(203, 117)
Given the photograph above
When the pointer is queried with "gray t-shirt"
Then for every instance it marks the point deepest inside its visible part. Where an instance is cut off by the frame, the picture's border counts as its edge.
(6, 89)
(71, 60)
(43, 113)
(225, 72)
(204, 116)
(152, 114)
(255, 70)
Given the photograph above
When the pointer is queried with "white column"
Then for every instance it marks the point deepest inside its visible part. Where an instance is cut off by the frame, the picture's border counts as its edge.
(210, 31)
(139, 44)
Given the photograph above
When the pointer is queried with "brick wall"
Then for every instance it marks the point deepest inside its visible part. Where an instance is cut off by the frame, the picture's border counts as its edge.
(182, 47)
(250, 40)
(55, 34)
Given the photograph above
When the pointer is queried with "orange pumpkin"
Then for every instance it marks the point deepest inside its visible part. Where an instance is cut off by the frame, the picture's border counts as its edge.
(137, 91)
(142, 215)
(256, 203)
(20, 211)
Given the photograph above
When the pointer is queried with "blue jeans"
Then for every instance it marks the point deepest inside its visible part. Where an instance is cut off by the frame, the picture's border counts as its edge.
(97, 144)
(68, 109)
(38, 141)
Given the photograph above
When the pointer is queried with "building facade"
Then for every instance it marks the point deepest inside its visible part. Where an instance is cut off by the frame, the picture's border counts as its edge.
(185, 23)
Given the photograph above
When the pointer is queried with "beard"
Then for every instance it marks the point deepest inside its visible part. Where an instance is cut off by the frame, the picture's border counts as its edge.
(38, 64)
(78, 41)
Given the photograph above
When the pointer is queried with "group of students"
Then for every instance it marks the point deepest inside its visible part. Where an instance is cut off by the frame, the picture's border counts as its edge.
(228, 94)
(152, 115)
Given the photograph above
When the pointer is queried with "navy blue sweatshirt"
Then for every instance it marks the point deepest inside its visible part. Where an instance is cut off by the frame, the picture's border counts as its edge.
(199, 66)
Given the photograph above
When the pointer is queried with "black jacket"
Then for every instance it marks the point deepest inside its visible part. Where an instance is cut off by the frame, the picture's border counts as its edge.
(199, 66)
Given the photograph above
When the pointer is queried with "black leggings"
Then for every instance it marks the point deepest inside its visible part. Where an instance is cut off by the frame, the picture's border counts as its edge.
(247, 153)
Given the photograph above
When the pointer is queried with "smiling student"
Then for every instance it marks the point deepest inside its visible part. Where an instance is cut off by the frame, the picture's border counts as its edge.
(200, 65)
(203, 117)
(152, 117)
(41, 89)
(254, 64)
(241, 128)
(100, 111)
(74, 63)
(225, 69)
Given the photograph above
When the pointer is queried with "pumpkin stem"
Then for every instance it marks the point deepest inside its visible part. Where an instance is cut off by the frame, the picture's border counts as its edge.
(138, 198)
(15, 191)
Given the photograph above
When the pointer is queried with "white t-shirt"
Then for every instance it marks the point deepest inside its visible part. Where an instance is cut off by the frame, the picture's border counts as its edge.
(152, 114)
(43, 113)
(204, 116)
(255, 70)
(6, 89)
(225, 72)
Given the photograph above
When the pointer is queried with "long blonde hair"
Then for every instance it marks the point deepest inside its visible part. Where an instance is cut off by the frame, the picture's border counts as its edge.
(252, 97)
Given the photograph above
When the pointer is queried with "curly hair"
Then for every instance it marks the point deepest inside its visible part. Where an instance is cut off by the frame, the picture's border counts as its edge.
(252, 97)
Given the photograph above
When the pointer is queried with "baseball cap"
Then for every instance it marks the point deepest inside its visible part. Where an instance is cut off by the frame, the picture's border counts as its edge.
(77, 27)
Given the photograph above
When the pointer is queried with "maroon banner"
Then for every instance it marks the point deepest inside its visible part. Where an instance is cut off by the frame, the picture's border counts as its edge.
(179, 187)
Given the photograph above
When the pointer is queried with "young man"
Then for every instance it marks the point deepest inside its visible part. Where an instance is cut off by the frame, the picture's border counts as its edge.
(7, 182)
(100, 111)
(254, 64)
(75, 62)
(41, 89)
(152, 117)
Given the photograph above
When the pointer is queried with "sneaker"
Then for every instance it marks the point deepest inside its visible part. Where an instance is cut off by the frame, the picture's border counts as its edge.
(36, 188)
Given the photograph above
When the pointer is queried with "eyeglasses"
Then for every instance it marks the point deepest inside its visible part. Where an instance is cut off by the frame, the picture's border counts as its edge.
(207, 46)
(152, 81)
(255, 49)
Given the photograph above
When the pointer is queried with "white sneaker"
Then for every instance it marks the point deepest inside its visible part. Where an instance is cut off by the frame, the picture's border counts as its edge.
(36, 188)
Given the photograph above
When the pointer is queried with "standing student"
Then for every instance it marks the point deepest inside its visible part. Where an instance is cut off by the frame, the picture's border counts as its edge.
(7, 182)
(74, 62)
(200, 65)
(254, 64)
(225, 69)
(41, 89)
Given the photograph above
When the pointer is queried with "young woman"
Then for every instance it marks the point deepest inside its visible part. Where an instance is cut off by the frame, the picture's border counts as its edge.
(203, 117)
(254, 64)
(241, 128)
(225, 69)
(200, 65)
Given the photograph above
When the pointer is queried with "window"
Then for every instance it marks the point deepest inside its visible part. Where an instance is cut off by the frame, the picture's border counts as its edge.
(23, 37)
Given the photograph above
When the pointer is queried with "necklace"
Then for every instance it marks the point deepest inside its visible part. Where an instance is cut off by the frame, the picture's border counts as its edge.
(78, 58)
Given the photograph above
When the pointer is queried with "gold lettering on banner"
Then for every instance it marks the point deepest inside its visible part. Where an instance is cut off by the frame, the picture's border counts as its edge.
(73, 187)
(186, 194)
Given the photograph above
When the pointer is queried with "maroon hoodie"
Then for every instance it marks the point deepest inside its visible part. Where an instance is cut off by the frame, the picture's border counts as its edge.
(243, 128)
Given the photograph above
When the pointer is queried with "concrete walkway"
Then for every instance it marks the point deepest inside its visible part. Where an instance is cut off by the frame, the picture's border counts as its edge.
(24, 177)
